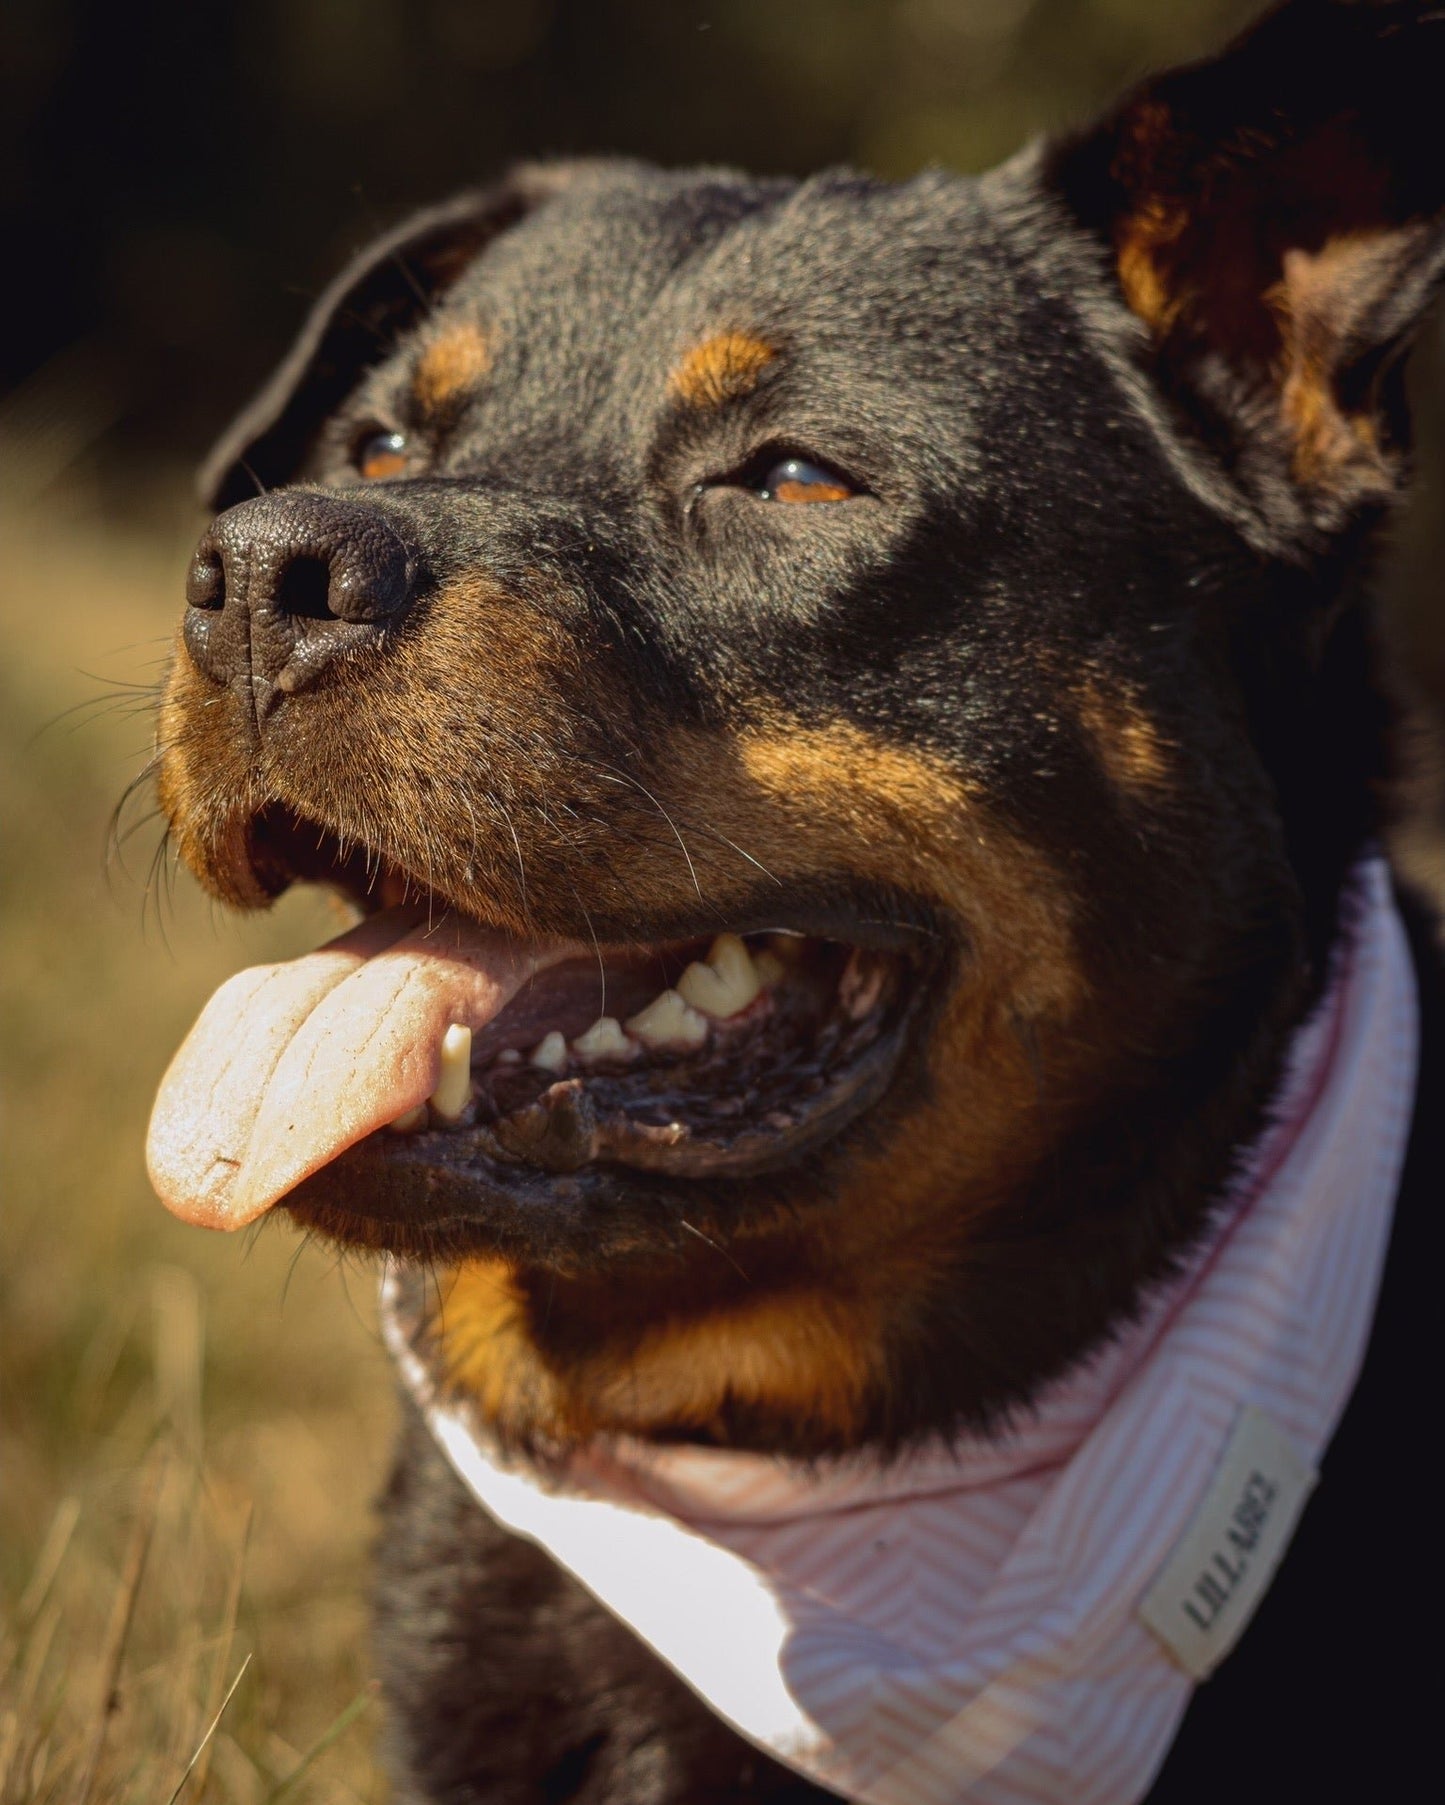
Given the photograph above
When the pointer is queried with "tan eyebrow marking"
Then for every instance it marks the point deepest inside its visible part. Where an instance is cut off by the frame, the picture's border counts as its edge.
(452, 364)
(722, 368)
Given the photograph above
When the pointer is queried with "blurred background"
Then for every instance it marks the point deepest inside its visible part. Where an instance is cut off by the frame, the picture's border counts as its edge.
(193, 1427)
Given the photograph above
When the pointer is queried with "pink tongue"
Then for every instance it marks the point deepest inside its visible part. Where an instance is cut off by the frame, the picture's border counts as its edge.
(291, 1064)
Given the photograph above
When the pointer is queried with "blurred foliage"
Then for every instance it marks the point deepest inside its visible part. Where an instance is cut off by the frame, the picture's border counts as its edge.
(184, 174)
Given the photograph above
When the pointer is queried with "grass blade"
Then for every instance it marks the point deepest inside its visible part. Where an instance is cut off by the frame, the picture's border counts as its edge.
(47, 1563)
(204, 1745)
(323, 1742)
(223, 1655)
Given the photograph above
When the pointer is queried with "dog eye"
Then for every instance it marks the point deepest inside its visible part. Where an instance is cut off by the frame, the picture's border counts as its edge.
(796, 479)
(381, 455)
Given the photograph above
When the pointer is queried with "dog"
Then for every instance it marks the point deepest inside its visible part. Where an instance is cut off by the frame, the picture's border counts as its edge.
(851, 719)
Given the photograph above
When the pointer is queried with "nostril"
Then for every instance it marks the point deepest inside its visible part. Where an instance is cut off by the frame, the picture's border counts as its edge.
(206, 580)
(284, 585)
(305, 589)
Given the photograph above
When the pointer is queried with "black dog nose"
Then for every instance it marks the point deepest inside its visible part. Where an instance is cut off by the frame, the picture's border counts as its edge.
(279, 586)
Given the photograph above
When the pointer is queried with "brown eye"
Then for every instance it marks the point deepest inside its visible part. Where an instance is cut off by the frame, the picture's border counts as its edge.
(795, 479)
(381, 456)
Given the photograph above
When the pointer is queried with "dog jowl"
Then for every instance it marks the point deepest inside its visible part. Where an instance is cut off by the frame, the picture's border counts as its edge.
(846, 715)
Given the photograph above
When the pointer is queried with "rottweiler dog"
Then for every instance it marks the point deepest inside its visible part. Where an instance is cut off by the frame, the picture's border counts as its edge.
(849, 714)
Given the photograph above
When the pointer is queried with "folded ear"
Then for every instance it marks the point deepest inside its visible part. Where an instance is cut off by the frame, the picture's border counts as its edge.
(354, 325)
(1276, 218)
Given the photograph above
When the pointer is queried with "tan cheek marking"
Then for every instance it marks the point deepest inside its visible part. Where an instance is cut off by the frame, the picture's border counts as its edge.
(450, 367)
(837, 798)
(1007, 1060)
(805, 801)
(720, 369)
(1128, 742)
(811, 800)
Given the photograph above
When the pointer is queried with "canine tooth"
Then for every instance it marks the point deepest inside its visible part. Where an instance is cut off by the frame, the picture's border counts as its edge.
(454, 1086)
(409, 1120)
(604, 1040)
(727, 983)
(668, 1022)
(550, 1052)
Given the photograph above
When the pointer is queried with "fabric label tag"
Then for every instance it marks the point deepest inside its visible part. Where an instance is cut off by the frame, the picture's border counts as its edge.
(1208, 1589)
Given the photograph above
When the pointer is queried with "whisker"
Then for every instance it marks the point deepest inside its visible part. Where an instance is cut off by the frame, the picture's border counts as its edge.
(716, 1246)
(627, 777)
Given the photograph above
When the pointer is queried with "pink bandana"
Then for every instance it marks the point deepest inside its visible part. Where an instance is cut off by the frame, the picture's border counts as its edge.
(1024, 1619)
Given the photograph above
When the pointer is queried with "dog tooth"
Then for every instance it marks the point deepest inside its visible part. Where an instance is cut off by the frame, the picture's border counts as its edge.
(409, 1120)
(727, 983)
(769, 967)
(508, 1056)
(668, 1023)
(550, 1053)
(604, 1040)
(860, 986)
(454, 1086)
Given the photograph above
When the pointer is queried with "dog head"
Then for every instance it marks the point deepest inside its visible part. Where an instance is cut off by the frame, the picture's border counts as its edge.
(914, 630)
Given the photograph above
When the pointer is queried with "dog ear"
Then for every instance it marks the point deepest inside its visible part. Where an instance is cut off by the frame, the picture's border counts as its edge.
(1276, 218)
(354, 324)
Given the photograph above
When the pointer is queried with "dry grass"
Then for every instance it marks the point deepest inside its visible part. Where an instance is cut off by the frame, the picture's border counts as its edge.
(192, 1427)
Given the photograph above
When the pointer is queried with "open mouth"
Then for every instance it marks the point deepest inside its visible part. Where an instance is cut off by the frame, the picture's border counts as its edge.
(426, 1067)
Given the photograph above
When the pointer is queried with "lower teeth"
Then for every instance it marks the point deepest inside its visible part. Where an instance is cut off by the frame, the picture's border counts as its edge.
(677, 1022)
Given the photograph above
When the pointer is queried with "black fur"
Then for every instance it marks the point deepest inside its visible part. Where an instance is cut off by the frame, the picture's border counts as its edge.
(1061, 395)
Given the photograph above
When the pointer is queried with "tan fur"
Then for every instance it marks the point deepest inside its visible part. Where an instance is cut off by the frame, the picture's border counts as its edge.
(837, 797)
(794, 1349)
(1141, 245)
(1146, 236)
(1205, 270)
(1128, 742)
(1317, 303)
(722, 368)
(488, 1352)
(451, 367)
